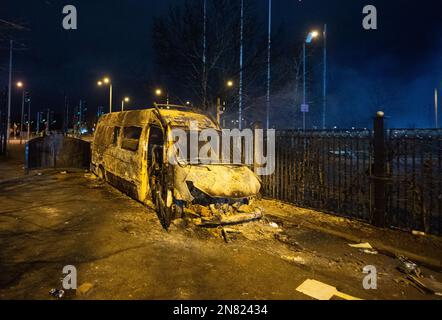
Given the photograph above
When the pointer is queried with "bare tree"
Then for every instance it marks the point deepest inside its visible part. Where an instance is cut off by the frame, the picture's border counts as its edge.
(179, 51)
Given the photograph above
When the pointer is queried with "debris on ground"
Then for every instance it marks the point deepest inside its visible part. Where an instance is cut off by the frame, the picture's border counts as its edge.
(84, 289)
(321, 291)
(370, 251)
(222, 214)
(231, 230)
(274, 225)
(415, 277)
(223, 220)
(90, 176)
(57, 293)
(63, 172)
(294, 259)
(408, 267)
(365, 245)
(425, 285)
(225, 235)
(365, 248)
(288, 241)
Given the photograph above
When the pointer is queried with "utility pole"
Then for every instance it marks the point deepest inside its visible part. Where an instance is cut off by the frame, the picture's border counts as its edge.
(269, 67)
(8, 122)
(241, 63)
(304, 95)
(22, 115)
(80, 113)
(436, 108)
(110, 98)
(29, 117)
(204, 53)
(324, 93)
(48, 125)
(38, 123)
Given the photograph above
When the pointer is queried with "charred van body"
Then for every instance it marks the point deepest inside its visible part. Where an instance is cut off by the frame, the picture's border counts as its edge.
(130, 151)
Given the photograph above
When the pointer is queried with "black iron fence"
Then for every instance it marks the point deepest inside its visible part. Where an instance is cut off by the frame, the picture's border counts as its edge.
(395, 182)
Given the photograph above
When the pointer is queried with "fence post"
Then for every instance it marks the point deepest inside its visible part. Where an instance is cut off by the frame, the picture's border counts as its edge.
(379, 172)
(257, 147)
(27, 158)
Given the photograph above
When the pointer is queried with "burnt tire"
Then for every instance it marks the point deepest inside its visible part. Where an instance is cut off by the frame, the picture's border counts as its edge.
(165, 213)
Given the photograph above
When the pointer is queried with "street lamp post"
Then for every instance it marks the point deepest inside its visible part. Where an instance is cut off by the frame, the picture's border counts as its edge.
(8, 121)
(219, 104)
(21, 86)
(269, 74)
(324, 92)
(29, 117)
(312, 35)
(126, 99)
(159, 93)
(107, 81)
(241, 71)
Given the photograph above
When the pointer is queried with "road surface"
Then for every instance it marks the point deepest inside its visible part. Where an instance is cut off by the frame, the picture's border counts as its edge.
(121, 251)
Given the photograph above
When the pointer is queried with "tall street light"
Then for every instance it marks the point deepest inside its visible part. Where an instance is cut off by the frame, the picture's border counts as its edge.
(324, 92)
(269, 74)
(241, 63)
(8, 123)
(159, 93)
(29, 116)
(107, 81)
(436, 108)
(21, 86)
(219, 108)
(125, 100)
(310, 37)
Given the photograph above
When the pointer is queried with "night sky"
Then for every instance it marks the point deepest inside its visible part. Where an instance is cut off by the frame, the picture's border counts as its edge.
(402, 58)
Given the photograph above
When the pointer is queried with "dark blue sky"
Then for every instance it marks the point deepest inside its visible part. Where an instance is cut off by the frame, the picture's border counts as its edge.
(401, 60)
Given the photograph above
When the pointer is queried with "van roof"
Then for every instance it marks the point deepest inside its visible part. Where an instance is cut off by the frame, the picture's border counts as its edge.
(174, 117)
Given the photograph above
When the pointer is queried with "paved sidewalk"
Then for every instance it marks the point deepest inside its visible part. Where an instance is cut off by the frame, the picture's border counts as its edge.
(425, 250)
(12, 165)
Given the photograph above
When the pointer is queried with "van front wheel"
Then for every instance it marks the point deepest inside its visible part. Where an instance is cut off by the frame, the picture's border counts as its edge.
(163, 200)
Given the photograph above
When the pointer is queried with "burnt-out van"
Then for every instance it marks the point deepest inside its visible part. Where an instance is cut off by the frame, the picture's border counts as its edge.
(130, 151)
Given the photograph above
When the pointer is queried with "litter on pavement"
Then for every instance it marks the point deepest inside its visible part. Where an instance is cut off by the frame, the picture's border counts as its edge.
(361, 246)
(322, 291)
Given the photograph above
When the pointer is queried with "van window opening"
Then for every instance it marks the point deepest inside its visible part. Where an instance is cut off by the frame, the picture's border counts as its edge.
(116, 135)
(156, 143)
(131, 138)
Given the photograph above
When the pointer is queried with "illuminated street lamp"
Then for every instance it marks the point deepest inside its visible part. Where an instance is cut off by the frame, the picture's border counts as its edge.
(310, 37)
(159, 93)
(20, 85)
(125, 100)
(230, 83)
(107, 81)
